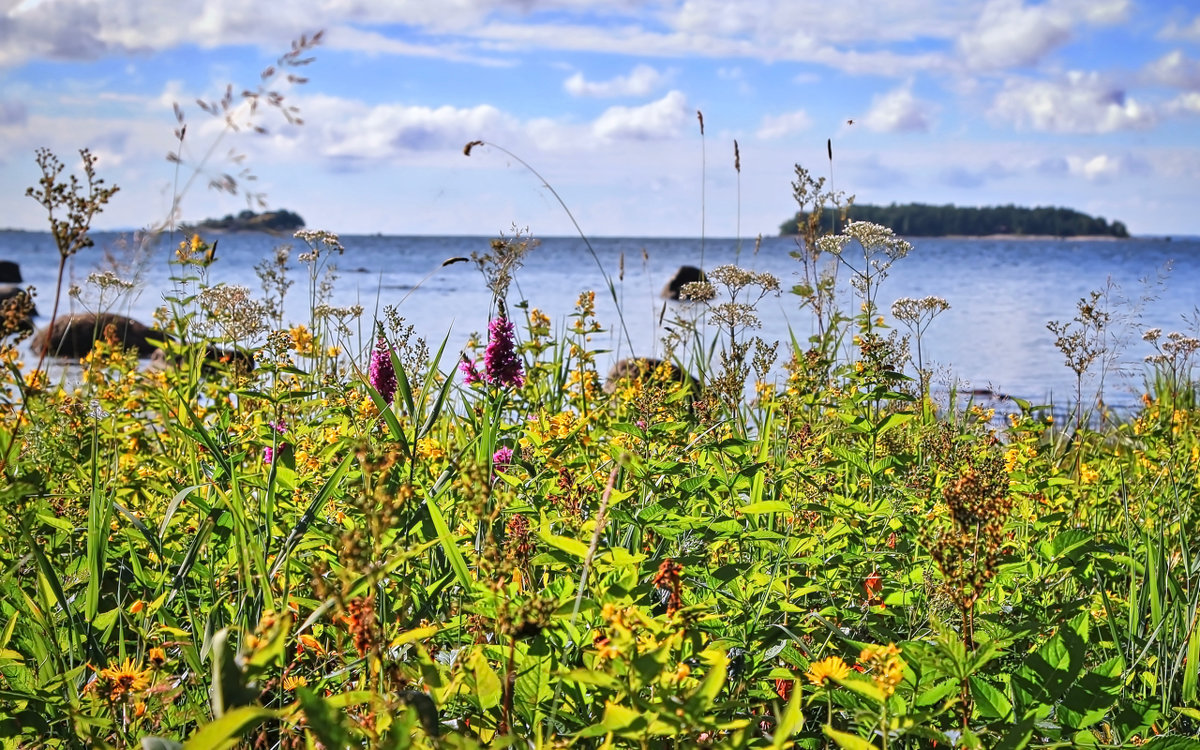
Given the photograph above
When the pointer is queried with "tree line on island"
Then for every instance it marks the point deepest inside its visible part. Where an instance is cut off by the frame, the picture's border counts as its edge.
(249, 221)
(925, 220)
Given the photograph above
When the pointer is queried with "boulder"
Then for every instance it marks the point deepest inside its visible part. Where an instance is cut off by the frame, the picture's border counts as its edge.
(214, 358)
(685, 275)
(642, 368)
(72, 336)
(10, 272)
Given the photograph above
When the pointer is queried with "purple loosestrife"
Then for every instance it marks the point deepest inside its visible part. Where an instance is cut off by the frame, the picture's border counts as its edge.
(501, 365)
(381, 374)
(502, 459)
(470, 373)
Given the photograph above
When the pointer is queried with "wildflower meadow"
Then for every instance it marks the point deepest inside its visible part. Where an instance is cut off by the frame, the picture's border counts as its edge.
(279, 537)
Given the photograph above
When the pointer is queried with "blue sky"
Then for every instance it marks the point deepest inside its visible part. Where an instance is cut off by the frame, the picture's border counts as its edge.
(1090, 104)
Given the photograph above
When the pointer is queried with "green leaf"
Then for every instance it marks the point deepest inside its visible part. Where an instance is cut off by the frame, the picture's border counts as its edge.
(487, 682)
(449, 545)
(324, 720)
(990, 701)
(228, 689)
(847, 740)
(765, 506)
(226, 731)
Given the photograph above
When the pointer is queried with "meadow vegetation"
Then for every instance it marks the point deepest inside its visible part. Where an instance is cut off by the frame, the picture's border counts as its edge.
(397, 546)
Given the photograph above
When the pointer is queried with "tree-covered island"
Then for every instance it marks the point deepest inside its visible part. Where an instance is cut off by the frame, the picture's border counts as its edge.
(925, 220)
(249, 221)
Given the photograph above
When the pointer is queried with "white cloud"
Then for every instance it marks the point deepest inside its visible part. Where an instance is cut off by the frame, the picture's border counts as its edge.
(1082, 103)
(1103, 167)
(1188, 103)
(1010, 34)
(1175, 69)
(1189, 32)
(641, 81)
(664, 118)
(899, 111)
(390, 130)
(777, 126)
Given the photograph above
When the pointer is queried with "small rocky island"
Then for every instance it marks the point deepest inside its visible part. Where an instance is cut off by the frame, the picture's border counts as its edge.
(925, 220)
(276, 222)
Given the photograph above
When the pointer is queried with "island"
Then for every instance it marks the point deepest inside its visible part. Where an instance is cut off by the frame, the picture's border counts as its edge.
(925, 220)
(249, 221)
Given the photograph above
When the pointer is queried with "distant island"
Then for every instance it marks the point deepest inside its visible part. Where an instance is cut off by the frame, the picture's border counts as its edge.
(924, 220)
(249, 221)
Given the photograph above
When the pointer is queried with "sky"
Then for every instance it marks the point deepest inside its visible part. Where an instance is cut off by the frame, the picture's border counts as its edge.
(1087, 104)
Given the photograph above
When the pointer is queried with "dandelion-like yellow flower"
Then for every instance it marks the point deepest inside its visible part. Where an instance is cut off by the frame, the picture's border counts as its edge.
(157, 657)
(292, 682)
(1087, 474)
(122, 679)
(830, 668)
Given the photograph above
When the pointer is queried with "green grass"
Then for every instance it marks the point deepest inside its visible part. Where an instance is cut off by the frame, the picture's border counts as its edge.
(827, 560)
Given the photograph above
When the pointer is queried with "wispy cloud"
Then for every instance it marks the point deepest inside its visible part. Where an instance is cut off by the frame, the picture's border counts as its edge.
(643, 80)
(778, 126)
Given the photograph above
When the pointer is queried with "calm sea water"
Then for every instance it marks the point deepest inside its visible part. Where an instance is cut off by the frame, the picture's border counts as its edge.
(1002, 292)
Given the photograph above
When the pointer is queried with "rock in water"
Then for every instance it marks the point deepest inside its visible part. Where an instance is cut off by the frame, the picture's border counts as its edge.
(685, 275)
(10, 272)
(644, 369)
(72, 336)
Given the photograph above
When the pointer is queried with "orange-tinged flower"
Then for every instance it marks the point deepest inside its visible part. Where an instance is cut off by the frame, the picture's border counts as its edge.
(157, 657)
(830, 668)
(138, 606)
(293, 682)
(122, 679)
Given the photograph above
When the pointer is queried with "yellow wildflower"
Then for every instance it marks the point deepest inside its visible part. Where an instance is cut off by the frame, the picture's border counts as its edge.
(826, 669)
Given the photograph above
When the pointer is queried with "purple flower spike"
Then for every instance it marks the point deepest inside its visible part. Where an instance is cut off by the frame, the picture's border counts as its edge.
(268, 455)
(502, 459)
(470, 373)
(381, 374)
(501, 365)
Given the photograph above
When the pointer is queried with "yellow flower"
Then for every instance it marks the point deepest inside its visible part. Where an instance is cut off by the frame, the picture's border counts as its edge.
(157, 656)
(826, 669)
(887, 668)
(291, 683)
(428, 448)
(302, 338)
(124, 678)
(1087, 474)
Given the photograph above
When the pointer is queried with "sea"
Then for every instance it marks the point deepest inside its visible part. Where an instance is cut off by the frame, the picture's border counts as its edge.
(993, 339)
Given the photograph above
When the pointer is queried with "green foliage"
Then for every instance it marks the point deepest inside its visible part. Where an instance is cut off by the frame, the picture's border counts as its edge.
(924, 220)
(312, 552)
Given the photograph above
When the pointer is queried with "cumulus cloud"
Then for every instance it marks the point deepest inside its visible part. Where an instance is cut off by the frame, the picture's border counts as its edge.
(1175, 69)
(1188, 103)
(664, 118)
(641, 81)
(899, 111)
(1082, 103)
(1009, 33)
(777, 126)
(350, 130)
(1186, 31)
